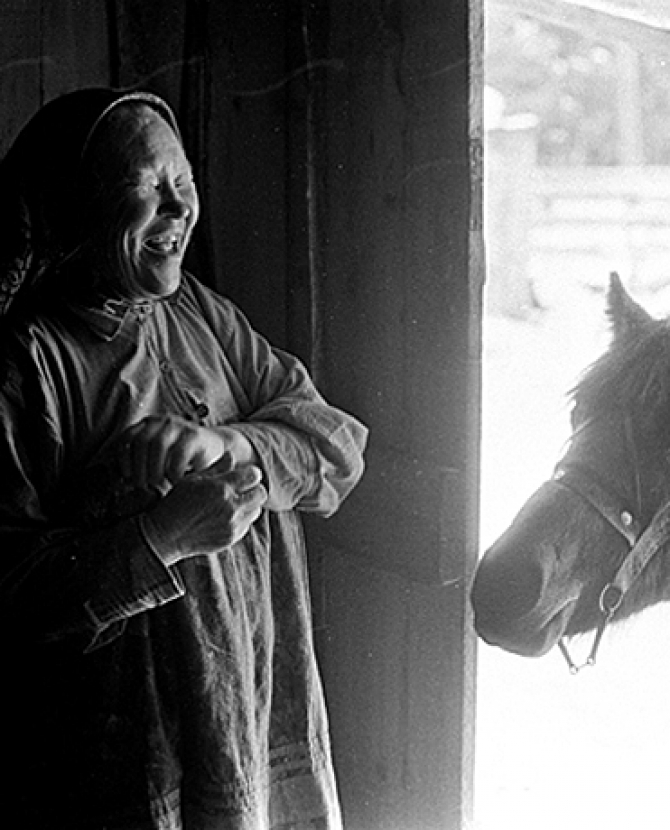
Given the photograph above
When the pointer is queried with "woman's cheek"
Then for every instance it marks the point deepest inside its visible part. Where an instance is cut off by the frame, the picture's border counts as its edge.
(129, 263)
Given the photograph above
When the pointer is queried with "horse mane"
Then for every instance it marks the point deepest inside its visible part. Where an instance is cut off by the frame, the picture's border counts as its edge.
(631, 376)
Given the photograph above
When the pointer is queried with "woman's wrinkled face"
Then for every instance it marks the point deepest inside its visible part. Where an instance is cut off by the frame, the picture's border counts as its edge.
(146, 205)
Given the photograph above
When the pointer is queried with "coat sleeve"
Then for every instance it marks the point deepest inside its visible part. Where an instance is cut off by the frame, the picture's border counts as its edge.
(311, 452)
(58, 578)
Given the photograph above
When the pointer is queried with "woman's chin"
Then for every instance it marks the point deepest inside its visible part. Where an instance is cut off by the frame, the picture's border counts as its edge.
(159, 277)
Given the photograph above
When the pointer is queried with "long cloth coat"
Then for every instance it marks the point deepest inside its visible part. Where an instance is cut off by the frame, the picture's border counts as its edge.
(137, 695)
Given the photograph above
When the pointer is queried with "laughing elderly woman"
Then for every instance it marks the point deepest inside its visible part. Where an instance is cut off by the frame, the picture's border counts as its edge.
(158, 666)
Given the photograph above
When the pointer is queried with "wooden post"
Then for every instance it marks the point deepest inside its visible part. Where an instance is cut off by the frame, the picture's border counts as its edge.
(399, 316)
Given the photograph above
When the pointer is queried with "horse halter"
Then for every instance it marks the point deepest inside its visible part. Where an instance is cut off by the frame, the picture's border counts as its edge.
(643, 544)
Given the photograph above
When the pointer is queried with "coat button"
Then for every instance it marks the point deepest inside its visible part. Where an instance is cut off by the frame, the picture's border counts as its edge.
(202, 410)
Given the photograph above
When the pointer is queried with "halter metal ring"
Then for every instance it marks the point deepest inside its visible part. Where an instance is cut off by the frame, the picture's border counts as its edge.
(611, 598)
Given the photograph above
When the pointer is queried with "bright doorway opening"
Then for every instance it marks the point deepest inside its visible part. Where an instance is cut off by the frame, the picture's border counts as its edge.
(577, 113)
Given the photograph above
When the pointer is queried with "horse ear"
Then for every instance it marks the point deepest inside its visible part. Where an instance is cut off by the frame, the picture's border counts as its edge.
(627, 317)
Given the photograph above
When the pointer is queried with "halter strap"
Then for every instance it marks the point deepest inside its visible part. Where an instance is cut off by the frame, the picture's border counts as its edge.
(653, 540)
(583, 484)
(642, 548)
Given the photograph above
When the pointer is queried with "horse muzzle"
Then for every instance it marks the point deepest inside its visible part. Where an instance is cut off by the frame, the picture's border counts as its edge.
(523, 594)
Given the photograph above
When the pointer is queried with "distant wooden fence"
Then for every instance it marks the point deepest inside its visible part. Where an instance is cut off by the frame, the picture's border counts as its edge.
(620, 215)
(570, 223)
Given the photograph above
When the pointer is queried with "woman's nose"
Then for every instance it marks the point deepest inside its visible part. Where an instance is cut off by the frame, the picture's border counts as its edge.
(173, 203)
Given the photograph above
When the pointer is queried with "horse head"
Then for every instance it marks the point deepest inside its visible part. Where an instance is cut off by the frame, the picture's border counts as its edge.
(587, 547)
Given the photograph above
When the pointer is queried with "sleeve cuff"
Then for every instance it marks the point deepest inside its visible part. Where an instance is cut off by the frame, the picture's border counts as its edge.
(140, 582)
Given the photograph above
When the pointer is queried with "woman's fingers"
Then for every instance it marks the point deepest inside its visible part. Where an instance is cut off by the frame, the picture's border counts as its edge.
(158, 452)
(206, 513)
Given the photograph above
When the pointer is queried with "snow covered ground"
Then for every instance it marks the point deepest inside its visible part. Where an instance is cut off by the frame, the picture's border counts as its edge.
(556, 751)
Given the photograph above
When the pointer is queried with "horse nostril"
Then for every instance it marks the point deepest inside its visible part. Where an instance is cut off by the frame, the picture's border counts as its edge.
(504, 590)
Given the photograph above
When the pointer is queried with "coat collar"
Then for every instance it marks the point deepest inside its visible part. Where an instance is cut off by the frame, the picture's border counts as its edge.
(106, 317)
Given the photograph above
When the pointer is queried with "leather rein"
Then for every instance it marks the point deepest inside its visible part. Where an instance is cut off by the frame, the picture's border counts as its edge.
(643, 543)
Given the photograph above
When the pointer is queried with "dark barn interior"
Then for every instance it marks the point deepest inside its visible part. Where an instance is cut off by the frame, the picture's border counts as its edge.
(337, 149)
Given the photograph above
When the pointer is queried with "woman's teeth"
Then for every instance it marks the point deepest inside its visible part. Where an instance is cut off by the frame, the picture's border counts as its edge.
(164, 243)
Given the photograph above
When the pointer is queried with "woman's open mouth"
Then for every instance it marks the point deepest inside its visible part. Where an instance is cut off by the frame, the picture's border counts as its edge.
(164, 244)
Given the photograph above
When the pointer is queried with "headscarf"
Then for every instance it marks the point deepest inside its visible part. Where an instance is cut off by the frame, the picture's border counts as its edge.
(41, 214)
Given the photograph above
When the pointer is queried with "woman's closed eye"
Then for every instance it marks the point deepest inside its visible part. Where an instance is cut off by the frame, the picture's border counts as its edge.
(158, 185)
(185, 180)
